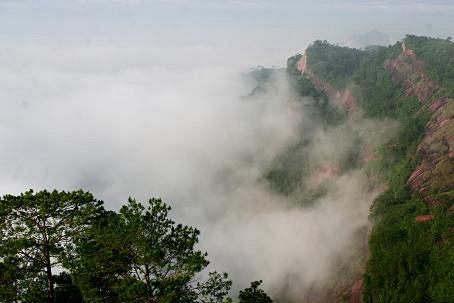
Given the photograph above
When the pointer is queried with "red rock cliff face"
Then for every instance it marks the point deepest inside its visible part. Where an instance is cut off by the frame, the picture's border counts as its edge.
(348, 288)
(435, 171)
(407, 70)
(434, 176)
(350, 293)
(342, 98)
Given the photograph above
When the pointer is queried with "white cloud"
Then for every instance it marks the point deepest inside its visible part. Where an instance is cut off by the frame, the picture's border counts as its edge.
(144, 119)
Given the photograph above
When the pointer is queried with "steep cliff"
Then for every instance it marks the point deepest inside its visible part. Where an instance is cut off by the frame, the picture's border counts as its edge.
(411, 254)
(342, 98)
(434, 176)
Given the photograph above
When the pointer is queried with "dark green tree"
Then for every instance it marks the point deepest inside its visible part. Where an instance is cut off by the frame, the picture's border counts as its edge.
(141, 255)
(36, 236)
(254, 294)
(66, 291)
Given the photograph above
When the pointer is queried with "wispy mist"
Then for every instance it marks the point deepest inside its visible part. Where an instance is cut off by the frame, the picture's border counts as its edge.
(139, 120)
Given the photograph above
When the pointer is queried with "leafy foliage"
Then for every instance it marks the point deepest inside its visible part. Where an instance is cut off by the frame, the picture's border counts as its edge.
(410, 261)
(66, 291)
(289, 169)
(378, 95)
(254, 294)
(140, 255)
(333, 63)
(37, 231)
(261, 78)
(438, 54)
(135, 255)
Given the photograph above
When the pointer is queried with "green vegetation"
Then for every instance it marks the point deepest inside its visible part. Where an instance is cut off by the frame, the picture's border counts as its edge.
(378, 94)
(140, 255)
(410, 260)
(406, 255)
(333, 63)
(261, 75)
(37, 232)
(290, 168)
(135, 255)
(438, 54)
(254, 294)
(261, 78)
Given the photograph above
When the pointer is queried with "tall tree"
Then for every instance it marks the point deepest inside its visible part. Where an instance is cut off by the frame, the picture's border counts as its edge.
(254, 294)
(141, 255)
(36, 235)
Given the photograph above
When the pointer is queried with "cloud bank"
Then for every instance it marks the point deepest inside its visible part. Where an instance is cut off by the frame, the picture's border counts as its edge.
(142, 120)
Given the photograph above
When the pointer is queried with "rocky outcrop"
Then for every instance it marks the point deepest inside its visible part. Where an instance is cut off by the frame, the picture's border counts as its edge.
(342, 98)
(355, 292)
(347, 293)
(424, 218)
(408, 71)
(434, 176)
(349, 285)
(326, 173)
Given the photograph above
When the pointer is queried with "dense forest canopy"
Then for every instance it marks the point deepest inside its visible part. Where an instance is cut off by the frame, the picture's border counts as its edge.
(438, 54)
(409, 261)
(335, 64)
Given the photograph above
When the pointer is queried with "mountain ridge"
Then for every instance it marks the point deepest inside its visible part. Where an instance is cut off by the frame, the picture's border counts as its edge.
(422, 170)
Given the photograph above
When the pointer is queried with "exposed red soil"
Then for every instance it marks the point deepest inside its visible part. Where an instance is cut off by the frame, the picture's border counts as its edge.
(435, 170)
(326, 173)
(406, 51)
(356, 292)
(368, 156)
(347, 288)
(424, 218)
(350, 293)
(341, 98)
(435, 154)
(408, 70)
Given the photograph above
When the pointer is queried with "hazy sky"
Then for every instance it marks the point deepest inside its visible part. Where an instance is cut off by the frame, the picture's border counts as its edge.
(271, 29)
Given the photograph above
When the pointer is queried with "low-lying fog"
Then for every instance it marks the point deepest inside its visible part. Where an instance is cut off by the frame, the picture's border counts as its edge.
(135, 119)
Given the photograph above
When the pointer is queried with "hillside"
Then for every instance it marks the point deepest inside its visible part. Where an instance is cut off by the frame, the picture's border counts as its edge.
(347, 196)
(410, 247)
